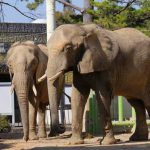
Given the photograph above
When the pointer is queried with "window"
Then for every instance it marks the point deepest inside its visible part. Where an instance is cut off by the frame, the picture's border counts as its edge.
(2, 48)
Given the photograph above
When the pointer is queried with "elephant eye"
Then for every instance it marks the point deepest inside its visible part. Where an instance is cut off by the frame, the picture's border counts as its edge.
(68, 48)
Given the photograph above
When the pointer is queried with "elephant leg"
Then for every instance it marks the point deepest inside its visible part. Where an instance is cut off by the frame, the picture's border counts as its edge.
(141, 130)
(41, 121)
(32, 118)
(78, 101)
(104, 102)
(55, 91)
(60, 93)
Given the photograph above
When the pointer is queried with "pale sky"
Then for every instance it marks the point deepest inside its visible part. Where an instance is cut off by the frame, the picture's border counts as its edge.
(11, 15)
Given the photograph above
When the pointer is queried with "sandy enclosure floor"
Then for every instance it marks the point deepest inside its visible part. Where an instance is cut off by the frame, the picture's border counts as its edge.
(13, 141)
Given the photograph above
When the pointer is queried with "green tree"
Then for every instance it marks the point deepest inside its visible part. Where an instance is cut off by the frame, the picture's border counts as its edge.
(67, 16)
(33, 5)
(114, 14)
(110, 14)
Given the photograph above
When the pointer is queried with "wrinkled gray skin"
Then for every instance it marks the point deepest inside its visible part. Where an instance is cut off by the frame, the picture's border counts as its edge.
(109, 62)
(27, 62)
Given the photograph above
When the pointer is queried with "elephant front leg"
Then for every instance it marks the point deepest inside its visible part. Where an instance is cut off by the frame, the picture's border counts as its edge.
(78, 100)
(104, 102)
(41, 121)
(32, 118)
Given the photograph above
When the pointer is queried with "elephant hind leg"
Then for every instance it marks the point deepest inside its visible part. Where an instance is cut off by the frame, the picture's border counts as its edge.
(104, 102)
(141, 130)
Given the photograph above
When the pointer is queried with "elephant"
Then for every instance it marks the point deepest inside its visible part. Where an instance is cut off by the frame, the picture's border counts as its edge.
(27, 62)
(109, 62)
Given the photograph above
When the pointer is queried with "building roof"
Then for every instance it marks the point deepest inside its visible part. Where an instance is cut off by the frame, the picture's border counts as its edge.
(11, 32)
(39, 21)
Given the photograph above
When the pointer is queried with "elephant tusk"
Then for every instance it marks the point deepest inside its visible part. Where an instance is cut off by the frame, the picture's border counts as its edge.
(42, 78)
(55, 76)
(10, 74)
(34, 90)
(12, 88)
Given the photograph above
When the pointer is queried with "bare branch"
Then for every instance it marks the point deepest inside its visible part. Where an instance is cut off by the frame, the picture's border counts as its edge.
(35, 15)
(17, 10)
(127, 6)
(71, 5)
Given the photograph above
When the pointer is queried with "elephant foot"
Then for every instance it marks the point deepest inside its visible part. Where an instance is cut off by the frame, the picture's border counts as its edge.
(56, 131)
(42, 135)
(86, 135)
(25, 138)
(139, 137)
(107, 140)
(33, 136)
(75, 141)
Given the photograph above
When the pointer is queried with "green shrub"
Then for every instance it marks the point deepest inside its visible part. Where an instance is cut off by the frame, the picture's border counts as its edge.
(4, 124)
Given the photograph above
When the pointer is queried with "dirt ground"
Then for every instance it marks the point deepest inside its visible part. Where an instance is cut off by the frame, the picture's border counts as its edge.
(13, 141)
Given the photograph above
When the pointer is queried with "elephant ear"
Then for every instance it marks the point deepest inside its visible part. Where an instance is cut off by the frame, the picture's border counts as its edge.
(42, 61)
(100, 51)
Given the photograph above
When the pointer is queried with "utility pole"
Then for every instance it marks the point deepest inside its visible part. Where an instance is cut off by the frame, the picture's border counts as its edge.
(87, 18)
(50, 21)
(50, 17)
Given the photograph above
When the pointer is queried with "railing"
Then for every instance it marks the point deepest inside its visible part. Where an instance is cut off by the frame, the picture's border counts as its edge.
(94, 125)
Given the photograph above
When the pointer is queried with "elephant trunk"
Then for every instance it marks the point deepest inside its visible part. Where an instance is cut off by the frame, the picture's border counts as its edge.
(22, 89)
(54, 100)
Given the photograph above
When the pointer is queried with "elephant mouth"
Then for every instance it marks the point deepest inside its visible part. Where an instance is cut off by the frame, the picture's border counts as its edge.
(57, 75)
(62, 72)
(41, 79)
(51, 78)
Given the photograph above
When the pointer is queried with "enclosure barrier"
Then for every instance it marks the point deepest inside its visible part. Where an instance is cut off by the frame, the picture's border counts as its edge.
(94, 124)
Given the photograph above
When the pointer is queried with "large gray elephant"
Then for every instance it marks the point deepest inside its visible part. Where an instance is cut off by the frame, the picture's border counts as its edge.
(27, 62)
(109, 62)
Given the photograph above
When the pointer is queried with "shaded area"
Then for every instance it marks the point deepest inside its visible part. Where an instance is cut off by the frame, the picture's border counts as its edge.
(11, 135)
(4, 145)
(16, 133)
(89, 147)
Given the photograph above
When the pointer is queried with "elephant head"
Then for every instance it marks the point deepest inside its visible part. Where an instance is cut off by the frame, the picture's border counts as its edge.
(26, 63)
(86, 48)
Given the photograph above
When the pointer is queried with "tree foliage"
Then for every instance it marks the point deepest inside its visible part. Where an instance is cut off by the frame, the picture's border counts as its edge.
(110, 14)
(33, 5)
(114, 14)
(67, 17)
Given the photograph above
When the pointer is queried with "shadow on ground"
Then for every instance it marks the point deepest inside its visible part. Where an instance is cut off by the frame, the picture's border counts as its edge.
(4, 146)
(133, 146)
(11, 135)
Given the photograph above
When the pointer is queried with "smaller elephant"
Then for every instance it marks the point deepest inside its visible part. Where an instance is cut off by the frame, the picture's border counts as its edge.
(27, 62)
